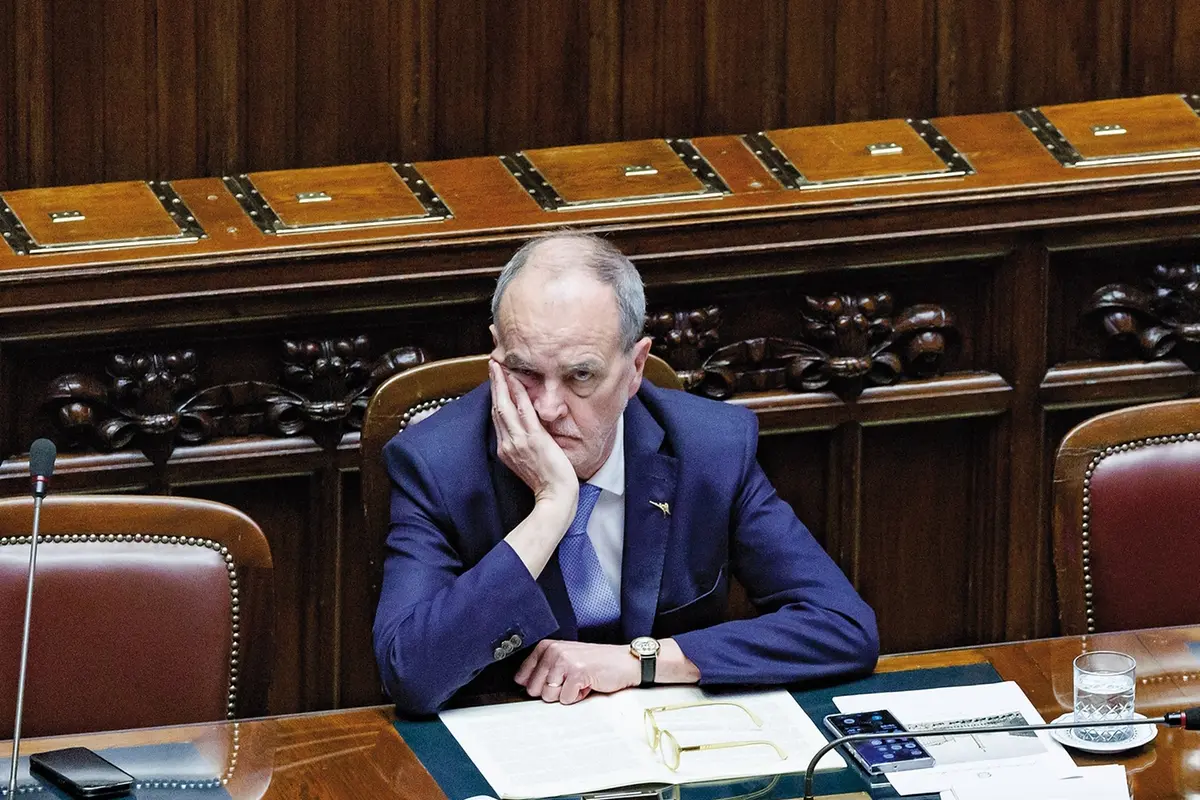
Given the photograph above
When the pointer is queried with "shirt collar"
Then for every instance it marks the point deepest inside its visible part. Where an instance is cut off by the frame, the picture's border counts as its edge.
(611, 476)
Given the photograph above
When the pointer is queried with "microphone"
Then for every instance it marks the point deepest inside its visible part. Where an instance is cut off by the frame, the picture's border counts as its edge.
(1188, 719)
(41, 466)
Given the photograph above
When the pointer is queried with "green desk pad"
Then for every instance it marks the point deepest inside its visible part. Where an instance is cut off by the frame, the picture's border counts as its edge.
(441, 755)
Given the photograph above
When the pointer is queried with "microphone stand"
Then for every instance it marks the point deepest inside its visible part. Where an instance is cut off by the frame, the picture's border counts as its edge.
(39, 494)
(1172, 719)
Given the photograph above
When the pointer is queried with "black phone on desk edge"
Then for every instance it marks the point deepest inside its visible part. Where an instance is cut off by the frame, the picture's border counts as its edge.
(890, 752)
(81, 773)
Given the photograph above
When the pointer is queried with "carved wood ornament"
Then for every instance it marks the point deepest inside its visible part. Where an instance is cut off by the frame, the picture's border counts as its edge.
(683, 339)
(1153, 323)
(150, 400)
(848, 342)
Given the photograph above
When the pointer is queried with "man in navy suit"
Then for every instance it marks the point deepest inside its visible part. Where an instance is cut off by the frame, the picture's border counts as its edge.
(573, 529)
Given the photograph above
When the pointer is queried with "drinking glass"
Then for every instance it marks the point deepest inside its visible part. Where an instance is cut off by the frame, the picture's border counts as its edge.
(1104, 690)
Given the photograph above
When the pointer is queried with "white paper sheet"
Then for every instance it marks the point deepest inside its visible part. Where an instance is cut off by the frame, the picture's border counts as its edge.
(1002, 753)
(536, 749)
(1107, 782)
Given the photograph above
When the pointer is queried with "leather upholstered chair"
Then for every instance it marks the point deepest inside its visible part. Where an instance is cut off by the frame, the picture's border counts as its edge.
(413, 395)
(1127, 519)
(146, 611)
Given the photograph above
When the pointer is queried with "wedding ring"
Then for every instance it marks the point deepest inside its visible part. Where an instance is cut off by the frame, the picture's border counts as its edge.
(554, 685)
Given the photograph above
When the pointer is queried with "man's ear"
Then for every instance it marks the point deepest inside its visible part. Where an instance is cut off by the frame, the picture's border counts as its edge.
(495, 337)
(641, 351)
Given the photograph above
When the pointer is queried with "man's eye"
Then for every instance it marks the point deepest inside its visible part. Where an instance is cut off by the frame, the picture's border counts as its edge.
(581, 376)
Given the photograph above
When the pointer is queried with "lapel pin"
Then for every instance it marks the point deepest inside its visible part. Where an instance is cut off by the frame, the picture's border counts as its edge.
(665, 508)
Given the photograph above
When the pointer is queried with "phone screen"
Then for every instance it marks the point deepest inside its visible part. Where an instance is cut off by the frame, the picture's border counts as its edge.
(891, 751)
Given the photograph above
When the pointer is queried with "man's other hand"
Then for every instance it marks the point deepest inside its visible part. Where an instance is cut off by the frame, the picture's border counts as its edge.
(566, 672)
(524, 446)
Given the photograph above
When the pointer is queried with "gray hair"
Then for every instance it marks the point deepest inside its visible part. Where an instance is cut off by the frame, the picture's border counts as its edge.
(606, 263)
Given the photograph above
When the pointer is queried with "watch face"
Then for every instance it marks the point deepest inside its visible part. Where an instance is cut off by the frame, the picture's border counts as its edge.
(644, 646)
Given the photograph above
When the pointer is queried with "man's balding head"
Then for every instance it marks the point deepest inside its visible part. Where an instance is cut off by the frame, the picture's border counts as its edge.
(559, 253)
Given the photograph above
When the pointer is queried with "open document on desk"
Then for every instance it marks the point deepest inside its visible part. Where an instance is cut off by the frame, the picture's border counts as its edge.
(536, 749)
(1004, 756)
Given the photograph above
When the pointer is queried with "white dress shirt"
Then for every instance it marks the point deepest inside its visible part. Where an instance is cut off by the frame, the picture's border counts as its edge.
(606, 526)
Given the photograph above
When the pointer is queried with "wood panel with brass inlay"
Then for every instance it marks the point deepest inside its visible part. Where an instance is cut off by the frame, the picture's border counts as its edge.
(337, 195)
(1106, 128)
(598, 172)
(857, 150)
(66, 215)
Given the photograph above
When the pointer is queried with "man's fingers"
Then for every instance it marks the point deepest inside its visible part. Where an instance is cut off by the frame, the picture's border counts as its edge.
(499, 386)
(537, 681)
(567, 672)
(544, 672)
(520, 399)
(495, 389)
(525, 671)
(501, 398)
(553, 687)
(574, 689)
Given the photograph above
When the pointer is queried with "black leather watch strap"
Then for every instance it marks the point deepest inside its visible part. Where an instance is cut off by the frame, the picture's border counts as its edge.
(649, 668)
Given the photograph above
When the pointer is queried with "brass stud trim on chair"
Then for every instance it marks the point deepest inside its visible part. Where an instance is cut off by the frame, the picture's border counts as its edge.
(181, 541)
(1088, 587)
(423, 407)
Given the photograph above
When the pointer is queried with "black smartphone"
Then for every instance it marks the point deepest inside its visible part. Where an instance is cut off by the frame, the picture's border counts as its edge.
(891, 751)
(81, 773)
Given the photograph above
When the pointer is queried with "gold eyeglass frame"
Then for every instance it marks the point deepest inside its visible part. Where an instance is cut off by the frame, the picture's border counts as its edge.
(656, 736)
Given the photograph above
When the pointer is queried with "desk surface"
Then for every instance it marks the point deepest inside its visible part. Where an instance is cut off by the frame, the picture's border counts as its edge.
(357, 753)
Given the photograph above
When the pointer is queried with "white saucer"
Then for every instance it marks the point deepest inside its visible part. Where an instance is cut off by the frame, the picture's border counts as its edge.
(1141, 735)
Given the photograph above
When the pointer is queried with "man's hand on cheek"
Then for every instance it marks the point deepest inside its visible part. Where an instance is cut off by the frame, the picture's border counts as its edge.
(524, 446)
(566, 672)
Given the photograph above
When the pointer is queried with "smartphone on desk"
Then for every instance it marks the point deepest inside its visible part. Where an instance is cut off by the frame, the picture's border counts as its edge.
(890, 751)
(81, 773)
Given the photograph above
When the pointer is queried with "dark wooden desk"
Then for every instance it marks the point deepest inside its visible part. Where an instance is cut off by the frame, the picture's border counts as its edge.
(357, 753)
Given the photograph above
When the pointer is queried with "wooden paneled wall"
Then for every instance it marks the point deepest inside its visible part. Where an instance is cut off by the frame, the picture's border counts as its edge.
(131, 89)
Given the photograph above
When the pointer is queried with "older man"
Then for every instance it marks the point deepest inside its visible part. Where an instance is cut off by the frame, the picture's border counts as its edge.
(574, 529)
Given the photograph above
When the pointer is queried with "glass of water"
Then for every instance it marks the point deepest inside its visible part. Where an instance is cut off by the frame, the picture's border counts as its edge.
(1104, 689)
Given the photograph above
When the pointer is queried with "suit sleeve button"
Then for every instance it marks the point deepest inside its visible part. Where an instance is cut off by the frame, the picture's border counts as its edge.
(498, 654)
(515, 641)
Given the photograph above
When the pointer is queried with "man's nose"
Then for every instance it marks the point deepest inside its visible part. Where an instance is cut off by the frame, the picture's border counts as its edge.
(549, 401)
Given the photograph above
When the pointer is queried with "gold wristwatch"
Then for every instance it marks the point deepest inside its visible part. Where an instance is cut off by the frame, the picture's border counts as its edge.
(646, 650)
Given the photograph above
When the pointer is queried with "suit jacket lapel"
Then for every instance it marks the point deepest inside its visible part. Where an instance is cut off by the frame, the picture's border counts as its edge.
(514, 502)
(649, 480)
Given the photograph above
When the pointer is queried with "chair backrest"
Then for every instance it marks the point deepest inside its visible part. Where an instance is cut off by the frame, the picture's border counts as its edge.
(1127, 519)
(146, 611)
(414, 394)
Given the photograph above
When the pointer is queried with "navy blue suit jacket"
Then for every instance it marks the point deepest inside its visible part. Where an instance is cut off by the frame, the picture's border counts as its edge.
(453, 591)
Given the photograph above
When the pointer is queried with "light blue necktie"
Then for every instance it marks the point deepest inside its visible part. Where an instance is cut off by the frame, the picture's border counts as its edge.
(591, 594)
